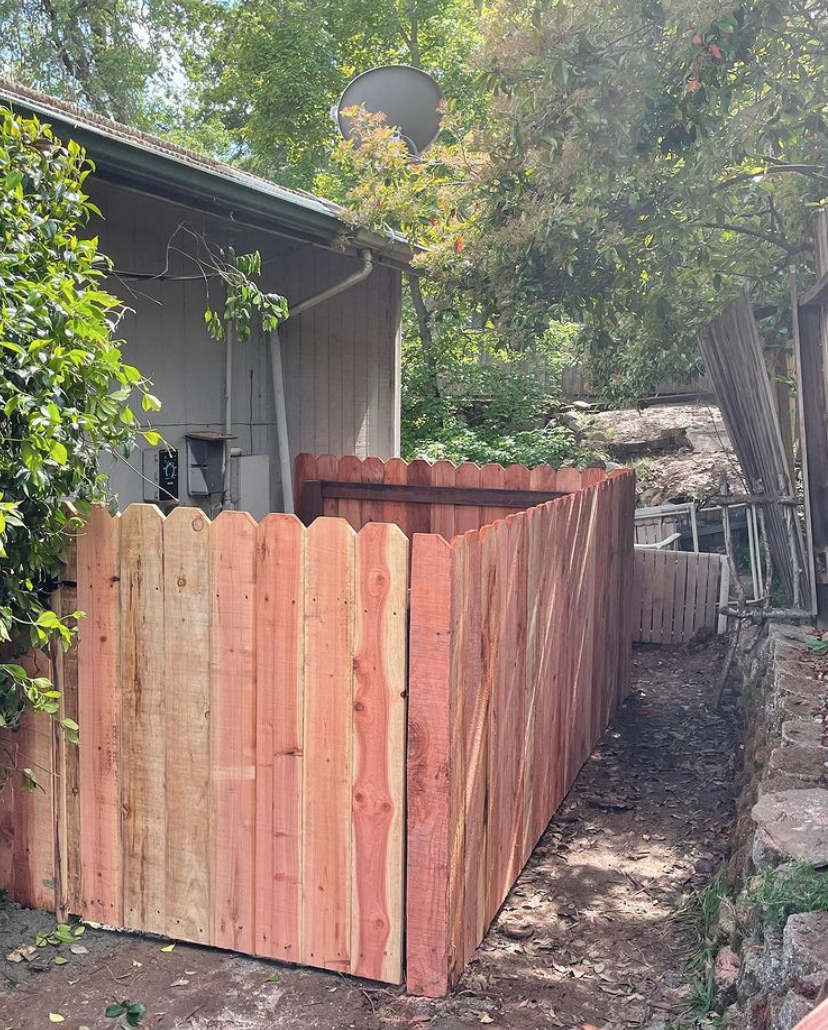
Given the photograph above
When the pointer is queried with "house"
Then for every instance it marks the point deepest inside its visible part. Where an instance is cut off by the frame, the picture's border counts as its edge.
(336, 386)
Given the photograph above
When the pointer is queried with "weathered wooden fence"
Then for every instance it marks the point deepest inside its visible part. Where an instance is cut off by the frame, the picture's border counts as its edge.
(676, 594)
(520, 650)
(244, 699)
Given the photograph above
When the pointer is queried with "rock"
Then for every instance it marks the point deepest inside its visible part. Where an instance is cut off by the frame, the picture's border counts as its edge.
(803, 763)
(792, 1008)
(726, 972)
(776, 782)
(805, 945)
(792, 824)
(733, 1018)
(772, 972)
(757, 1013)
(807, 732)
(726, 929)
(750, 980)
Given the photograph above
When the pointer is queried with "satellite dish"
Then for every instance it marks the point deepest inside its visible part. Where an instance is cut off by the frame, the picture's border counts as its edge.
(409, 98)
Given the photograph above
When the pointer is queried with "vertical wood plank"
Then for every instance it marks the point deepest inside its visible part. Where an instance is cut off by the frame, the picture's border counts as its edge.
(304, 469)
(187, 603)
(144, 724)
(328, 748)
(350, 471)
(466, 580)
(419, 515)
(34, 810)
(379, 746)
(99, 715)
(669, 606)
(233, 569)
(374, 510)
(327, 468)
(280, 678)
(396, 512)
(428, 773)
(679, 598)
(64, 602)
(467, 516)
(492, 476)
(443, 473)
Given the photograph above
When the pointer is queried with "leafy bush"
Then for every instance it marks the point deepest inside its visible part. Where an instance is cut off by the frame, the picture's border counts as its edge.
(494, 407)
(64, 394)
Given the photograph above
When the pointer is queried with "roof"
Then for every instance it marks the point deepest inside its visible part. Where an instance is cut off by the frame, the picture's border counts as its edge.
(139, 160)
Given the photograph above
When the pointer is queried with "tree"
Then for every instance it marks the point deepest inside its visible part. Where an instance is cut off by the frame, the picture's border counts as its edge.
(123, 59)
(647, 161)
(65, 394)
(280, 65)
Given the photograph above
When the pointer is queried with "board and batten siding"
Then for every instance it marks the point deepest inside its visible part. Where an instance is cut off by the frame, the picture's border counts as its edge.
(341, 359)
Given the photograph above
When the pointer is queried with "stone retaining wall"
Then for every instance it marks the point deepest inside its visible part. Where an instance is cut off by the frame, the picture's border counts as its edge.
(774, 977)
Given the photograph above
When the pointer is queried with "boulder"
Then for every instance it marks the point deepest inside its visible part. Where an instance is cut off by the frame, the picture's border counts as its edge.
(803, 763)
(791, 824)
(804, 732)
(789, 1011)
(805, 945)
(726, 973)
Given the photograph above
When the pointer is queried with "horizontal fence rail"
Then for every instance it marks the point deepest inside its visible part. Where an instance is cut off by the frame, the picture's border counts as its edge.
(418, 496)
(519, 652)
(241, 697)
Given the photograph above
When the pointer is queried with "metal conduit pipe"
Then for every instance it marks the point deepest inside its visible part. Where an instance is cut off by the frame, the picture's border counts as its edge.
(285, 470)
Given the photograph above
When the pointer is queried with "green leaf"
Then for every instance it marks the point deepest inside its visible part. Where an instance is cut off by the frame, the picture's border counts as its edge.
(58, 452)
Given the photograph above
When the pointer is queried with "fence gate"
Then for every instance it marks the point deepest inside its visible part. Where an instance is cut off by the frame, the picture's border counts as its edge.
(241, 693)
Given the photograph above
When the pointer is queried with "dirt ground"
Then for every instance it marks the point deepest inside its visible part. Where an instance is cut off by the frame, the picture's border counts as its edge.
(587, 936)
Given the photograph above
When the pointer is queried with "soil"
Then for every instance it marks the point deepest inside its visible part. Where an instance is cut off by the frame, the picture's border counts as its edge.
(588, 937)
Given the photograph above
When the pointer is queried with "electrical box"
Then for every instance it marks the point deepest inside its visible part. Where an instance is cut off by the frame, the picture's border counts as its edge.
(250, 484)
(168, 475)
(205, 463)
(160, 469)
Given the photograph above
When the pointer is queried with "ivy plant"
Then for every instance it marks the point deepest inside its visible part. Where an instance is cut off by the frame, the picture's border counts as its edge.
(66, 397)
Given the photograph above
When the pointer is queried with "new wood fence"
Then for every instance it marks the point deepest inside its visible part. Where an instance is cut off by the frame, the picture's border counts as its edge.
(241, 781)
(520, 650)
(421, 497)
(677, 594)
(244, 698)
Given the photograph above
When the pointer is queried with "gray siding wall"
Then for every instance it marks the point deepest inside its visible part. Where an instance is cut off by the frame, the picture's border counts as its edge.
(341, 359)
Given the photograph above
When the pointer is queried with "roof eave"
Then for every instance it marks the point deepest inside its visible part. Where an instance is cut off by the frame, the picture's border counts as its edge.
(210, 190)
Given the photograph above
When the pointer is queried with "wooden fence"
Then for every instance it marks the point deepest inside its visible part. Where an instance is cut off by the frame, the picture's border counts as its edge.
(677, 594)
(420, 497)
(240, 775)
(520, 650)
(244, 698)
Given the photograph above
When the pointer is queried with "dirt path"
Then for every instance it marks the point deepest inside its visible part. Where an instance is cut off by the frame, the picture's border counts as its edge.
(586, 937)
